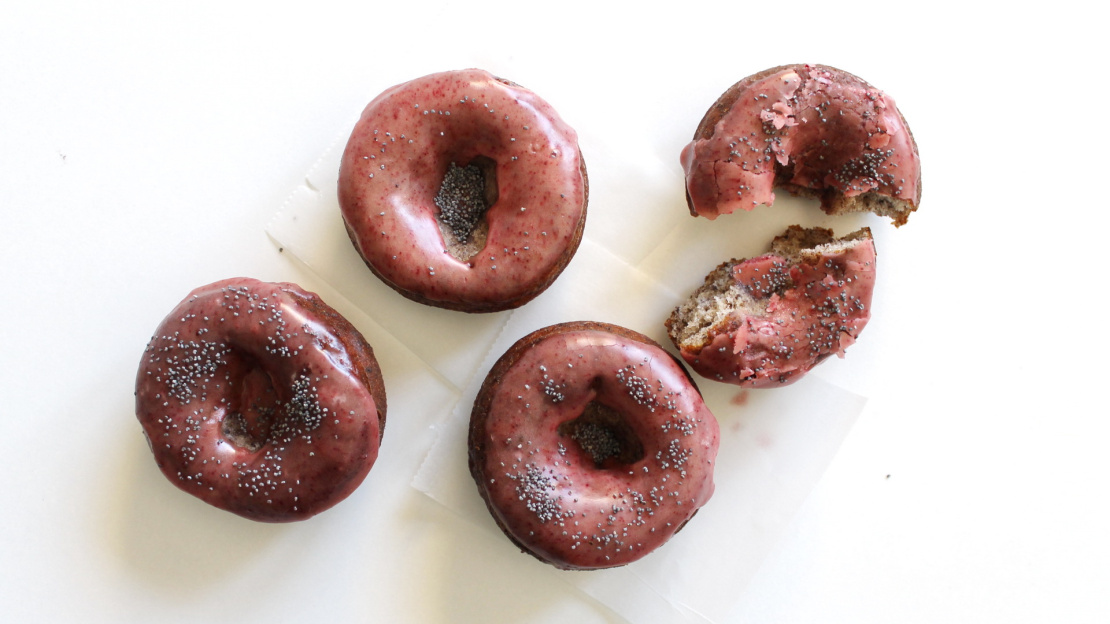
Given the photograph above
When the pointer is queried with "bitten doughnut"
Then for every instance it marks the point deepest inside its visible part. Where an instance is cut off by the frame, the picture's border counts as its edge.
(260, 399)
(464, 191)
(591, 445)
(766, 321)
(815, 131)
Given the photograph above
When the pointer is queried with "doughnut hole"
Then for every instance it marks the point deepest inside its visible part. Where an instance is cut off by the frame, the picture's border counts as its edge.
(603, 435)
(253, 406)
(464, 197)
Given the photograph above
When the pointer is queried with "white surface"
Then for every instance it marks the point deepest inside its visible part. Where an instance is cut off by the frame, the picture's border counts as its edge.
(774, 447)
(143, 148)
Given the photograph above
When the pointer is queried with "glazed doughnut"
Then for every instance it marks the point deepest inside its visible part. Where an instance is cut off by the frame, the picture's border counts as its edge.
(261, 399)
(766, 321)
(591, 445)
(463, 191)
(813, 130)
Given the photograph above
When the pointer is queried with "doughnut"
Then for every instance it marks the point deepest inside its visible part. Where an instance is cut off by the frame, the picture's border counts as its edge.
(766, 321)
(463, 191)
(813, 130)
(591, 445)
(260, 399)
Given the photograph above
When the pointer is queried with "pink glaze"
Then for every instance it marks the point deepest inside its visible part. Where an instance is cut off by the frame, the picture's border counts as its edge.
(822, 310)
(834, 131)
(549, 493)
(249, 348)
(394, 165)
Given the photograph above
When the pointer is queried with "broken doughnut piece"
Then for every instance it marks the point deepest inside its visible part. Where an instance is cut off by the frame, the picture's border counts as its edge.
(766, 321)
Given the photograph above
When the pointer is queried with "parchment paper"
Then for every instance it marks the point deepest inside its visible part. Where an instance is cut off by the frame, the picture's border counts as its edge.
(640, 255)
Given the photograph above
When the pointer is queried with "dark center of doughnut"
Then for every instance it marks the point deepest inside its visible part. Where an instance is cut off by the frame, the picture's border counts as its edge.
(603, 434)
(251, 415)
(464, 197)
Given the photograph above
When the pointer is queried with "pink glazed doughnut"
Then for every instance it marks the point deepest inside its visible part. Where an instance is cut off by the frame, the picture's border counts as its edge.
(463, 191)
(813, 130)
(260, 399)
(591, 445)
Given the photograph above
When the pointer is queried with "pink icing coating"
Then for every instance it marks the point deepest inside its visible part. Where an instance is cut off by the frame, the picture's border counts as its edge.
(825, 131)
(549, 492)
(248, 352)
(822, 312)
(395, 162)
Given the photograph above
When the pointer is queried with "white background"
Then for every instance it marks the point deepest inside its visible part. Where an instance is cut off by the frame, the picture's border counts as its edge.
(144, 147)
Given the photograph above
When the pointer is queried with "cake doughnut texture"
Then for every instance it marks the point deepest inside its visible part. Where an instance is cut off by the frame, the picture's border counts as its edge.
(813, 130)
(766, 321)
(591, 445)
(260, 399)
(463, 191)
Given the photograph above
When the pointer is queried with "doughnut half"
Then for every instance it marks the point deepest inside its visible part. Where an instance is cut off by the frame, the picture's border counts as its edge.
(813, 130)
